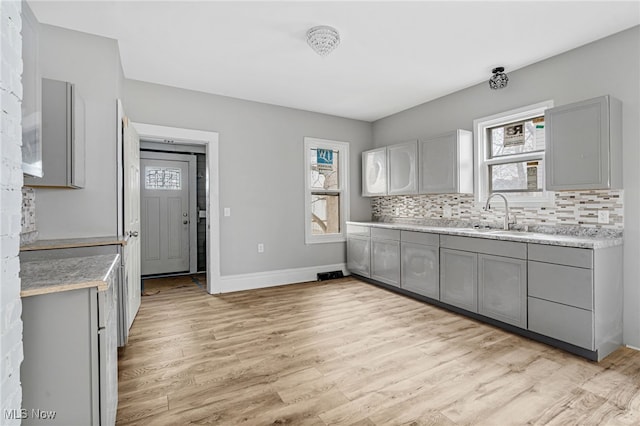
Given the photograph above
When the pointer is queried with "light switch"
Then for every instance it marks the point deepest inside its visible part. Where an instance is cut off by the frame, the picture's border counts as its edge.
(227, 212)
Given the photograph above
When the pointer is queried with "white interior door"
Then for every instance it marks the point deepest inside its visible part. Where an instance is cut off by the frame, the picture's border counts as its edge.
(131, 163)
(165, 219)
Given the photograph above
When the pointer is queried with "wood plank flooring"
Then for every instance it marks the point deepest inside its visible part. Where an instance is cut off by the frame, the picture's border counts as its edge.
(344, 352)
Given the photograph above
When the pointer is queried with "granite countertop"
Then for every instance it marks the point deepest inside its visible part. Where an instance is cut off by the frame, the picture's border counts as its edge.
(56, 275)
(579, 241)
(74, 242)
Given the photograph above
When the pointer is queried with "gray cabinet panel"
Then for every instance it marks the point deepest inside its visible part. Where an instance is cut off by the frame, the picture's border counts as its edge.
(583, 145)
(385, 261)
(571, 256)
(63, 137)
(359, 256)
(562, 284)
(61, 357)
(481, 245)
(567, 323)
(374, 172)
(358, 230)
(459, 278)
(402, 165)
(502, 289)
(446, 163)
(385, 234)
(420, 238)
(420, 269)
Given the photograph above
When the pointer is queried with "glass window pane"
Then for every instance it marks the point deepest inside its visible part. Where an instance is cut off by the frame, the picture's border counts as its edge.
(325, 214)
(517, 137)
(524, 176)
(324, 168)
(162, 178)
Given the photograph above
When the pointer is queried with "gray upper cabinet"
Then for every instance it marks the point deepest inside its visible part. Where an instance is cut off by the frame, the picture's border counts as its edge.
(63, 137)
(402, 163)
(419, 270)
(31, 95)
(446, 163)
(374, 172)
(584, 145)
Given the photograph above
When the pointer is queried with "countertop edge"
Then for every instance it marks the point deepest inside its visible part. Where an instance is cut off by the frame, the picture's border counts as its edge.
(54, 244)
(530, 238)
(101, 286)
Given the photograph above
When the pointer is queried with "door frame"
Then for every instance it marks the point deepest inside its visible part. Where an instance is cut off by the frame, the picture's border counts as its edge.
(176, 135)
(193, 213)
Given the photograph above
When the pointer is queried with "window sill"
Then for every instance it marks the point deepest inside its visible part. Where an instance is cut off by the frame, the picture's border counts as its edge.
(322, 239)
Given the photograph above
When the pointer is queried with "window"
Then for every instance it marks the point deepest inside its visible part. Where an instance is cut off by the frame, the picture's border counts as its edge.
(510, 156)
(162, 178)
(326, 190)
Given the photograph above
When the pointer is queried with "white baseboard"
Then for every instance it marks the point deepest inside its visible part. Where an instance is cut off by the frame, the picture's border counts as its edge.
(240, 282)
(633, 347)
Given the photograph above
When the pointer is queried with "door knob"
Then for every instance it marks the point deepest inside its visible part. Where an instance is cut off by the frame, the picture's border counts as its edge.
(184, 222)
(133, 233)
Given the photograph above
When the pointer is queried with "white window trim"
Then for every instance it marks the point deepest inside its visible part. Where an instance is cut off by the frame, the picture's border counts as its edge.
(343, 183)
(480, 127)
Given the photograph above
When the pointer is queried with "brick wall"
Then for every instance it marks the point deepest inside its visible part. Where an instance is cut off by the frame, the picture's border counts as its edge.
(10, 210)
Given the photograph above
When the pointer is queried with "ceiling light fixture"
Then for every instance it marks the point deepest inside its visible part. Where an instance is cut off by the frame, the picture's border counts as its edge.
(499, 79)
(323, 39)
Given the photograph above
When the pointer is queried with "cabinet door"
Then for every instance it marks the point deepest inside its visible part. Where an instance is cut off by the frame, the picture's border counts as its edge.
(459, 279)
(438, 165)
(577, 138)
(502, 289)
(402, 164)
(420, 269)
(374, 172)
(358, 256)
(385, 261)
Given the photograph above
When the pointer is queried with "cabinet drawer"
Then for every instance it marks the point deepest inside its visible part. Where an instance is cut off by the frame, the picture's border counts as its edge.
(571, 256)
(358, 230)
(420, 238)
(562, 284)
(486, 246)
(385, 234)
(562, 322)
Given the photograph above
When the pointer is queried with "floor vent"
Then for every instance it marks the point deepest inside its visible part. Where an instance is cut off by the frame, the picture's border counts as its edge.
(323, 276)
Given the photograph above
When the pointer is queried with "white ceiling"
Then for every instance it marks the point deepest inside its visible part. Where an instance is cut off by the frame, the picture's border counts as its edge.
(393, 55)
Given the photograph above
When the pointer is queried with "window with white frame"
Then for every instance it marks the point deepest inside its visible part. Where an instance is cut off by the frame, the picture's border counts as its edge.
(326, 190)
(510, 156)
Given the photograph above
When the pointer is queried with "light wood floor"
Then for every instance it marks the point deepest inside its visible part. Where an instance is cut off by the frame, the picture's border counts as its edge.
(345, 352)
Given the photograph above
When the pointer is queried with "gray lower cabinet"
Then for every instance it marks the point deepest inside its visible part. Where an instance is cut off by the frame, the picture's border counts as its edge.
(502, 289)
(70, 357)
(359, 249)
(420, 263)
(385, 255)
(575, 295)
(359, 256)
(459, 279)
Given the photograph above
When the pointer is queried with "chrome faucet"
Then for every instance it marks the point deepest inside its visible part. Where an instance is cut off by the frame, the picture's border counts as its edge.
(506, 208)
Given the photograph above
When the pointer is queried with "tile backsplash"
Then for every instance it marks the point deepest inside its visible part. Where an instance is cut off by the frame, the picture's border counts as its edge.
(575, 208)
(29, 232)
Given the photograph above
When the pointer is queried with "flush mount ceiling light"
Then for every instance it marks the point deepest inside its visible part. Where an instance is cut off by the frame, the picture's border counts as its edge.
(499, 79)
(323, 39)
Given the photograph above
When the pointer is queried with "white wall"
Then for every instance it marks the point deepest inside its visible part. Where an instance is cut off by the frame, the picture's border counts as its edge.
(10, 210)
(93, 64)
(608, 66)
(261, 171)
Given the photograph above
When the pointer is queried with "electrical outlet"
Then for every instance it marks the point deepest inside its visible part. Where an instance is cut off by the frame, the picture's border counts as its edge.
(603, 216)
(260, 248)
(227, 212)
(446, 211)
